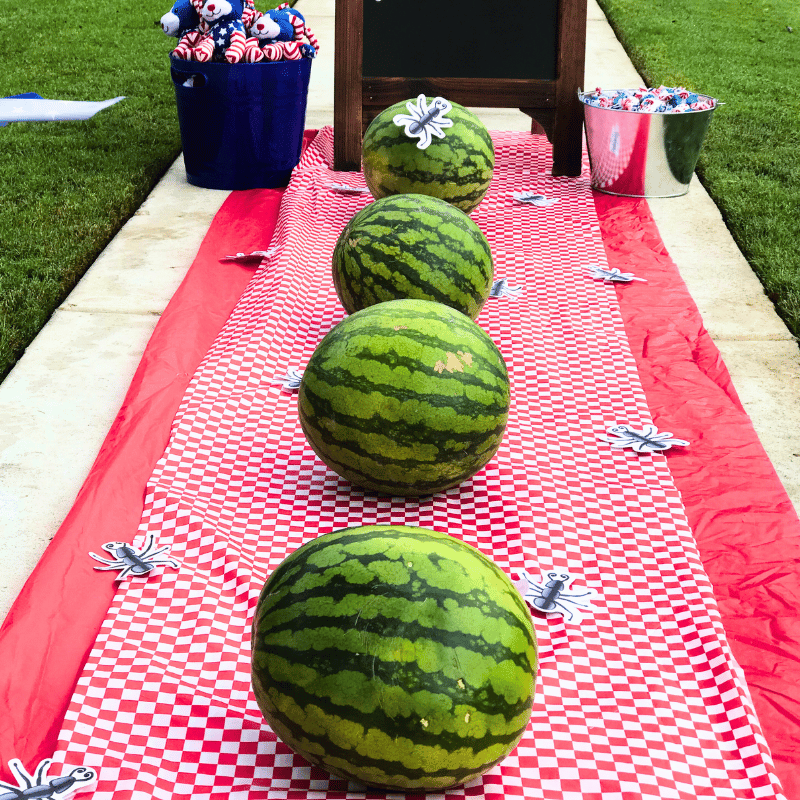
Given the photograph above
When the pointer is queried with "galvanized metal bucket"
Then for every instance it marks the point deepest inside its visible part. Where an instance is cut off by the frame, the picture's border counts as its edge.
(643, 154)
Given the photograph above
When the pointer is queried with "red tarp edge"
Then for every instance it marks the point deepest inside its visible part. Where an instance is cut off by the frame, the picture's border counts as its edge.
(746, 528)
(745, 525)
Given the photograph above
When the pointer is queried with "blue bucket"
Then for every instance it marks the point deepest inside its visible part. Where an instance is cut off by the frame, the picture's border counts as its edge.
(241, 124)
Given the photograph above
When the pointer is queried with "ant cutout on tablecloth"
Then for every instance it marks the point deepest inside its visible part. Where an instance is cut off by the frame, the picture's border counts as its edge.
(502, 288)
(647, 440)
(291, 380)
(132, 561)
(256, 256)
(343, 188)
(38, 786)
(550, 596)
(532, 198)
(612, 275)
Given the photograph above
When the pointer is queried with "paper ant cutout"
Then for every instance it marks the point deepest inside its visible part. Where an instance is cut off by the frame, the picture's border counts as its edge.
(550, 596)
(613, 274)
(502, 288)
(256, 255)
(534, 199)
(38, 786)
(423, 120)
(647, 440)
(343, 188)
(291, 379)
(130, 561)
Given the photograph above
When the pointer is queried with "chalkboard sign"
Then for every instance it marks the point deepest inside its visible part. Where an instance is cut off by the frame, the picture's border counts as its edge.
(526, 54)
(451, 39)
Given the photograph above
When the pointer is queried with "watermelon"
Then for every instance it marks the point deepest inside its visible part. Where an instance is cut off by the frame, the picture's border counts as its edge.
(456, 167)
(407, 397)
(398, 657)
(412, 245)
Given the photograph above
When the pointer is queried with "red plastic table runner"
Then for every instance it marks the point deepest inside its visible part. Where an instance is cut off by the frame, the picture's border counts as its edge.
(632, 250)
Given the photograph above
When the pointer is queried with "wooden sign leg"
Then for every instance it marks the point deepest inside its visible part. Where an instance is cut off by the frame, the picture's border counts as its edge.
(347, 90)
(568, 126)
(568, 139)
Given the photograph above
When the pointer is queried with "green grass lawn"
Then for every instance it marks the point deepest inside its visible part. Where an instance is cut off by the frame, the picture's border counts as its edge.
(748, 56)
(67, 187)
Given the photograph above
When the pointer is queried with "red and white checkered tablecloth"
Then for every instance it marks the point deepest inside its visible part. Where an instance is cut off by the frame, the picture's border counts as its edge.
(642, 699)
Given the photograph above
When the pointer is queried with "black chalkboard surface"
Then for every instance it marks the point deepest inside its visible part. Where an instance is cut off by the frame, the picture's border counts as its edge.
(526, 54)
(450, 39)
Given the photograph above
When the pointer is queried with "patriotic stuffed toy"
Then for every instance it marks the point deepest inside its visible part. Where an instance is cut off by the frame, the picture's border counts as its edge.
(184, 22)
(278, 35)
(218, 30)
(181, 19)
(249, 14)
(223, 34)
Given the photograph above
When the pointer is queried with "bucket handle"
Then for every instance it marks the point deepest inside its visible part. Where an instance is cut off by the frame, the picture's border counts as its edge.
(189, 79)
(188, 74)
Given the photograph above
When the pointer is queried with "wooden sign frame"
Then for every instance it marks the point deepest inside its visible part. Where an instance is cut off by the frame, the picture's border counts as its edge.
(552, 104)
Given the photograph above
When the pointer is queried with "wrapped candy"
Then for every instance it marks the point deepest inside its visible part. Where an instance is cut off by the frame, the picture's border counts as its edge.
(664, 99)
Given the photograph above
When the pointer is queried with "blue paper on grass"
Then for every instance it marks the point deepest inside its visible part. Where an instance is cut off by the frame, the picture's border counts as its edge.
(30, 107)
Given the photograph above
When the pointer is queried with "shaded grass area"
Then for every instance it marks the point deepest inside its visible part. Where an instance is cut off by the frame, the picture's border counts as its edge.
(748, 56)
(67, 187)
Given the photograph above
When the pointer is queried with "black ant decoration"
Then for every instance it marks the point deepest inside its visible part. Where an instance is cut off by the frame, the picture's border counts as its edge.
(37, 787)
(129, 560)
(549, 595)
(502, 288)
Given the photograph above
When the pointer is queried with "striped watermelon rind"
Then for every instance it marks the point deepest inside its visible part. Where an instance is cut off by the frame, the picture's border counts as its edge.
(412, 246)
(395, 656)
(407, 397)
(457, 168)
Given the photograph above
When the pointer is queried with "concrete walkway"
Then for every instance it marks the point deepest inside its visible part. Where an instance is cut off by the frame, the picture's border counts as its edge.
(58, 403)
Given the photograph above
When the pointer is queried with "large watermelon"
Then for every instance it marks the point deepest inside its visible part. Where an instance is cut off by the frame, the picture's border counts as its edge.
(399, 657)
(412, 245)
(407, 397)
(456, 167)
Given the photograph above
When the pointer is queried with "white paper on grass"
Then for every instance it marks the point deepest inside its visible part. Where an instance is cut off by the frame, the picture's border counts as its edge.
(39, 109)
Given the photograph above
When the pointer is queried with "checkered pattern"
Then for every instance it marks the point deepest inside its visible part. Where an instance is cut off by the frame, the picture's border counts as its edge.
(642, 699)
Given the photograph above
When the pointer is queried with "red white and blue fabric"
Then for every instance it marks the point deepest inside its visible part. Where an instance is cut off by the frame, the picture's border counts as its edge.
(278, 35)
(184, 21)
(642, 699)
(183, 17)
(221, 32)
(249, 13)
